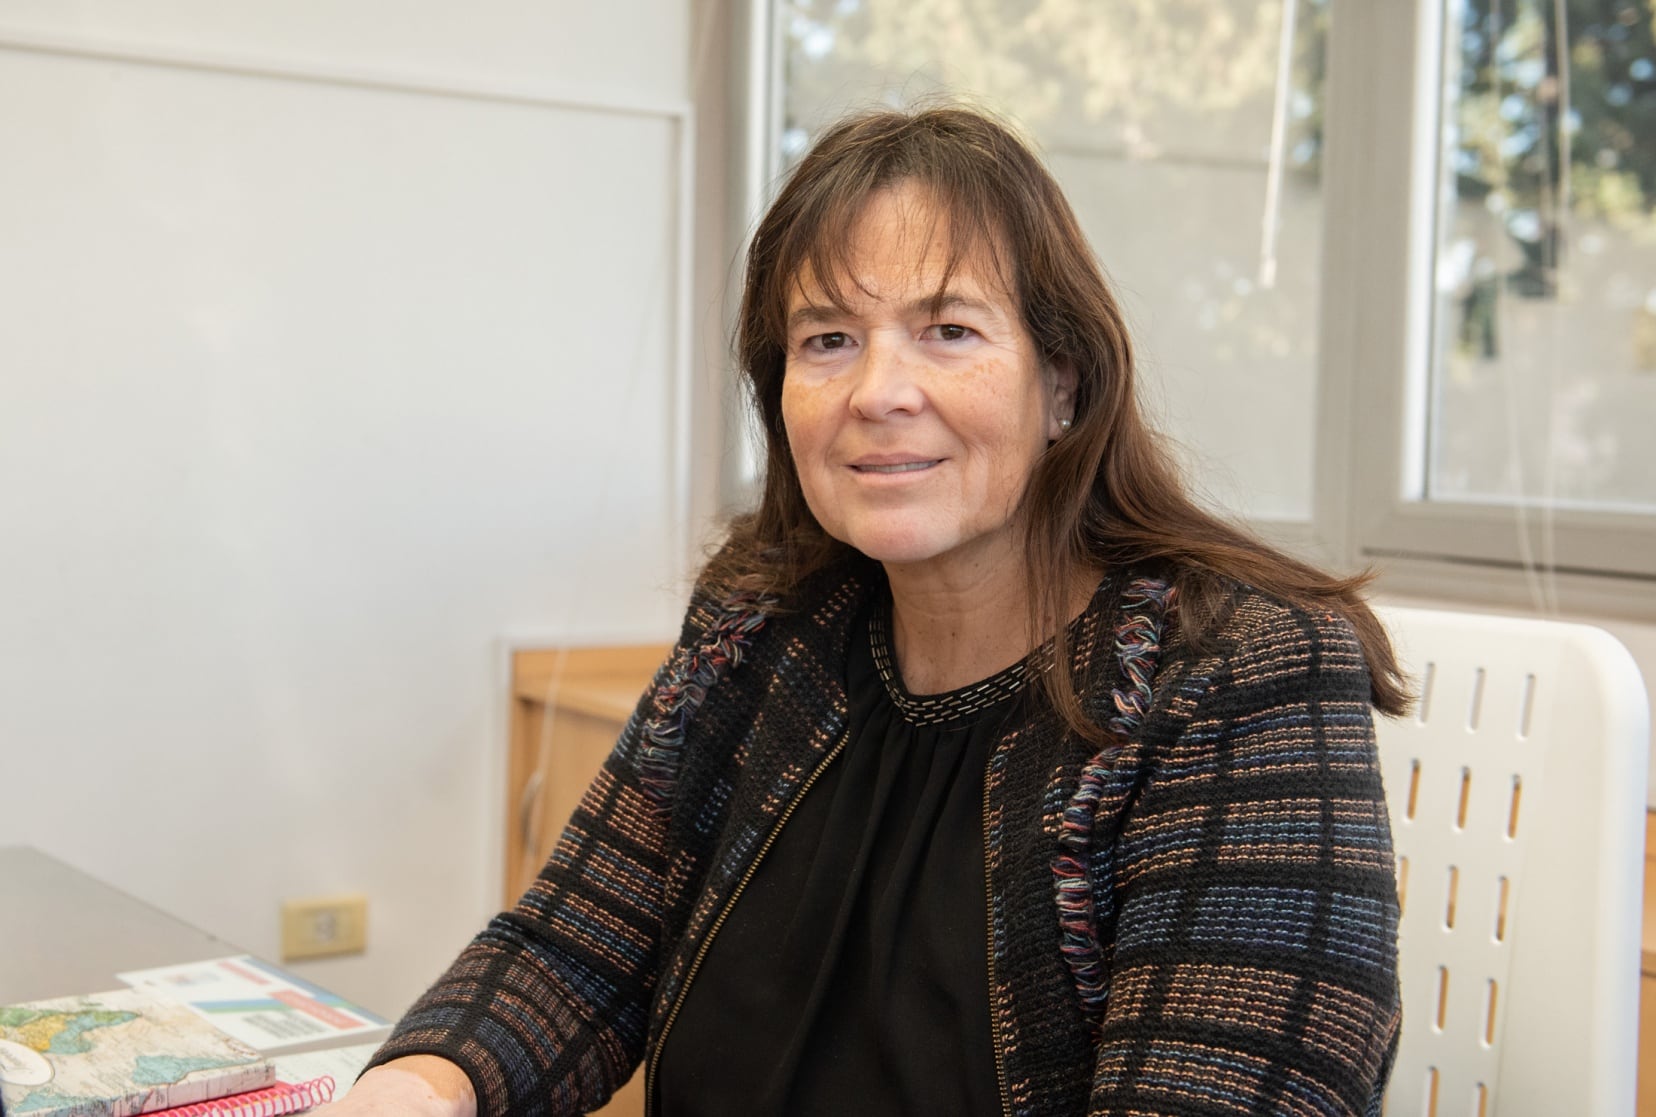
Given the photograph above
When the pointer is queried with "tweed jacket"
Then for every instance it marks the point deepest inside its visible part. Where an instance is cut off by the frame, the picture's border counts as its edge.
(1198, 920)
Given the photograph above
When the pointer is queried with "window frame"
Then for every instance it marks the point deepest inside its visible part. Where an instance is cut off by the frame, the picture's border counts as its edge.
(1380, 182)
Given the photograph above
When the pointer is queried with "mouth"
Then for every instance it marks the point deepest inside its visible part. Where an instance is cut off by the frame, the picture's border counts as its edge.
(895, 467)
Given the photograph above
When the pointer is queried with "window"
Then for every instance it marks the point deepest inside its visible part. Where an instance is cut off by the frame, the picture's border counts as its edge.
(1391, 267)
(1543, 358)
(1498, 285)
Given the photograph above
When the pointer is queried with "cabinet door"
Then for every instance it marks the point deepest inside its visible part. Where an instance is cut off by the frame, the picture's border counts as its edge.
(1647, 979)
(568, 707)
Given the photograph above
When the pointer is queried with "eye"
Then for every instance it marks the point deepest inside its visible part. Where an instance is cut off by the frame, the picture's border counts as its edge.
(826, 342)
(950, 331)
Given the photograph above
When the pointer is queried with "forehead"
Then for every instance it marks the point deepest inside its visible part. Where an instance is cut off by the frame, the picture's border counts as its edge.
(900, 244)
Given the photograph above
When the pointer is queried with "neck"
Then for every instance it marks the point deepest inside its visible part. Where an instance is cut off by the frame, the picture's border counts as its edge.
(954, 628)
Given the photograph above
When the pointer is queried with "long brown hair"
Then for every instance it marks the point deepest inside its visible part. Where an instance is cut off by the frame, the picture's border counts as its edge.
(1107, 493)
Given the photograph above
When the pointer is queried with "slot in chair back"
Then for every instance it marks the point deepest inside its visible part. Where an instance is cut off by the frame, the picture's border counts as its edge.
(1517, 799)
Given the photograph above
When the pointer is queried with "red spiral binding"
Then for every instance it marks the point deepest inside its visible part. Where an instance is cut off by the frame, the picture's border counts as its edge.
(275, 1100)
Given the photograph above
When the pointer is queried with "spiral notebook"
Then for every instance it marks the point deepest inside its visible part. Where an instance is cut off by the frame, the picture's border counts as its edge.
(272, 1101)
(116, 1054)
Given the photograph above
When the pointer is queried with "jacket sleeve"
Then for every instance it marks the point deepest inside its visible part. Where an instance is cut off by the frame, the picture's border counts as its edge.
(1254, 963)
(547, 1009)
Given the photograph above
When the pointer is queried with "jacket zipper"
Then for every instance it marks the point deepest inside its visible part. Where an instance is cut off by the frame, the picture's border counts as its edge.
(724, 913)
(989, 905)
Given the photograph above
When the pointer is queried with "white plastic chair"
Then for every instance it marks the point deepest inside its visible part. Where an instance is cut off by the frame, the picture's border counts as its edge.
(1517, 798)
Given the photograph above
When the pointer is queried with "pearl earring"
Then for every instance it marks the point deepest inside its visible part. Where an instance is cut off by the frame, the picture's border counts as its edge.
(1063, 424)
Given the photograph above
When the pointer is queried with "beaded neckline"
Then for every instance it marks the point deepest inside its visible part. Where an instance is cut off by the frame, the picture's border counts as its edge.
(952, 705)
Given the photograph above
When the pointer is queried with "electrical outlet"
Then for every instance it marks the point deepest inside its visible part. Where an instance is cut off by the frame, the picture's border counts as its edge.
(324, 925)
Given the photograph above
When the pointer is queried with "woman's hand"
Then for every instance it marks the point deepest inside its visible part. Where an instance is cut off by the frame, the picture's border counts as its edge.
(412, 1086)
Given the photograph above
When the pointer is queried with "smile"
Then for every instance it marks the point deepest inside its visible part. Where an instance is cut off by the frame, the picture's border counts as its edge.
(900, 467)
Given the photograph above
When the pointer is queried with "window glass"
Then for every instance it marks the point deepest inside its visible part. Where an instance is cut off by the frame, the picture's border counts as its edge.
(1543, 371)
(1187, 135)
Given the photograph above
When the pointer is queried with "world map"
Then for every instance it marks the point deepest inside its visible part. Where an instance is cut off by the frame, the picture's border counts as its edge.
(118, 1054)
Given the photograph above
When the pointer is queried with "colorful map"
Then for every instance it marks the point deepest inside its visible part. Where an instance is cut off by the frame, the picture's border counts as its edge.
(114, 1055)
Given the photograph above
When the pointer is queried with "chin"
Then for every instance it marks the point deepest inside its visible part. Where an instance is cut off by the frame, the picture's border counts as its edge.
(896, 547)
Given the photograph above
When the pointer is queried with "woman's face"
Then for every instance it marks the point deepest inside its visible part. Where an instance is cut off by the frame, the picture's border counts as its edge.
(914, 424)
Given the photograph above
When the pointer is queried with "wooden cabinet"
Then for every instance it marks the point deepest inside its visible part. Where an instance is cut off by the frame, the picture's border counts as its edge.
(1647, 1040)
(568, 707)
(1647, 979)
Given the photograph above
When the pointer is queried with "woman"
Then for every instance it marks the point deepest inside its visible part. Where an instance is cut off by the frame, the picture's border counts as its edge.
(990, 774)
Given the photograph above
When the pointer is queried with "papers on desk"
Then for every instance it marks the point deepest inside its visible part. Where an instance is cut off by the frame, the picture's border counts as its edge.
(261, 1005)
(342, 1064)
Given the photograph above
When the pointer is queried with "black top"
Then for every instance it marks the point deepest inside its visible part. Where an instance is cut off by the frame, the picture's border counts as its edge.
(852, 973)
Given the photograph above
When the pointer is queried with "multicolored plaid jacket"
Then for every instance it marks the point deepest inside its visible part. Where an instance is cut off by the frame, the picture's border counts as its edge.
(1200, 921)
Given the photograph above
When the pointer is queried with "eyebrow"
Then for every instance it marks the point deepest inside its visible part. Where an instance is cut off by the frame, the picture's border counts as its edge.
(816, 313)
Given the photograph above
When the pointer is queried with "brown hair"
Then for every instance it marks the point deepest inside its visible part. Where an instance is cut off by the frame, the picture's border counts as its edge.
(1107, 493)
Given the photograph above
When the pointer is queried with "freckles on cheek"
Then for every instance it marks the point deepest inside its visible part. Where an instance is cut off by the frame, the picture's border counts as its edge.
(802, 414)
(791, 399)
(790, 409)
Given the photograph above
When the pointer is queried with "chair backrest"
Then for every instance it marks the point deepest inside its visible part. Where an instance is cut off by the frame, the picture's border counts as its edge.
(1517, 799)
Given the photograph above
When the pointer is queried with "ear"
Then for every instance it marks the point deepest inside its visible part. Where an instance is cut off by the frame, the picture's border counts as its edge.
(1060, 385)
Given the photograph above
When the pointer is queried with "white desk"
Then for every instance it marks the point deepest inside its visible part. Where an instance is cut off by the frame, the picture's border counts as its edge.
(64, 933)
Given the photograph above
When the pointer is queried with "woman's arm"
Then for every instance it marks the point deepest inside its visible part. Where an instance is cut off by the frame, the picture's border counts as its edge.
(1254, 965)
(413, 1086)
(546, 1011)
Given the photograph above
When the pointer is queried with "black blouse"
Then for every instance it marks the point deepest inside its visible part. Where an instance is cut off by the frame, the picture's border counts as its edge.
(852, 973)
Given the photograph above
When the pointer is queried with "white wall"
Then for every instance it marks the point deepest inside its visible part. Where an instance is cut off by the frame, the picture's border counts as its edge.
(312, 387)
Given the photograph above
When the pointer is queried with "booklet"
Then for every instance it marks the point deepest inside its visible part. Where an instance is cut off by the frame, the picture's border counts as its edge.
(260, 1004)
(342, 1064)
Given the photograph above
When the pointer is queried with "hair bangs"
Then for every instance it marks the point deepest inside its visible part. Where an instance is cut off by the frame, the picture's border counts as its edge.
(814, 249)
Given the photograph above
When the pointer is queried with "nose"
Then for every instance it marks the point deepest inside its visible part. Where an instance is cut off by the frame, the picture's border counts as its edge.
(887, 381)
